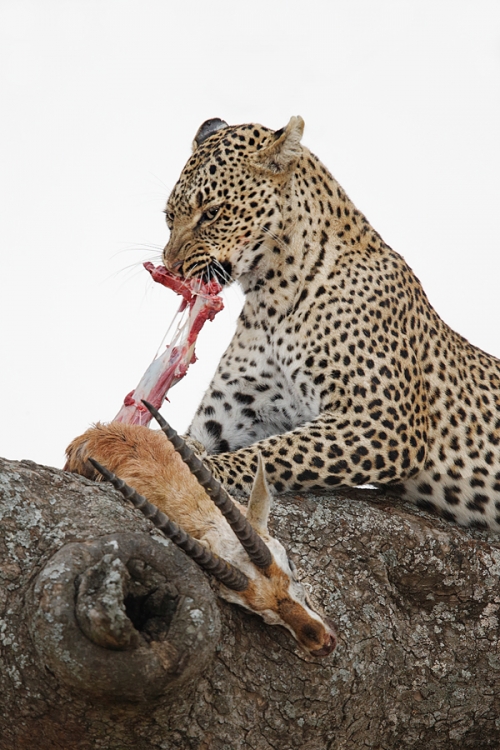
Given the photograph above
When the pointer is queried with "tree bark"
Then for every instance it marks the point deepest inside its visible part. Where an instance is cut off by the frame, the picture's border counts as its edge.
(111, 638)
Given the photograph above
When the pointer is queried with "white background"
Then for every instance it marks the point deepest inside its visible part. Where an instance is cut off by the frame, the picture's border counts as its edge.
(100, 100)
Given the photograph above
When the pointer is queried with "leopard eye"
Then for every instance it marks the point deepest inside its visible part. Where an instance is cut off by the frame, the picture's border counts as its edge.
(209, 214)
(169, 216)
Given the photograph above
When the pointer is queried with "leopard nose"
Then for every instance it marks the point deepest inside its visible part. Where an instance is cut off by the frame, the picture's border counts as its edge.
(174, 266)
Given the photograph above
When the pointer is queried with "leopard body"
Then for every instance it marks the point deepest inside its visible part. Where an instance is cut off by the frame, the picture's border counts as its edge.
(340, 372)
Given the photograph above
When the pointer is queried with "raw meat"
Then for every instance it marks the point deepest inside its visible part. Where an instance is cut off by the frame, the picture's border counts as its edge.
(203, 303)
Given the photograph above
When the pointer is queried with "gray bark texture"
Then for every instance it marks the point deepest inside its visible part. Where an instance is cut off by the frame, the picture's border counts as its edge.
(110, 638)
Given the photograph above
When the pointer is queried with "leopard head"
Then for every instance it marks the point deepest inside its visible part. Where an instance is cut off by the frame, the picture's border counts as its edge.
(227, 204)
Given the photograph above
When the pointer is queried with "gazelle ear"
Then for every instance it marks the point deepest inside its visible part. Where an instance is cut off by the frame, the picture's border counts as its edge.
(259, 504)
(282, 154)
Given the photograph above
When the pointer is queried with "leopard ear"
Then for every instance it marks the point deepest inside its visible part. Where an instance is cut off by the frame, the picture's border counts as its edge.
(208, 128)
(281, 155)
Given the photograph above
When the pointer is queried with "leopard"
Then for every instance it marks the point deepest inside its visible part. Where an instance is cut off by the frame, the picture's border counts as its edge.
(340, 372)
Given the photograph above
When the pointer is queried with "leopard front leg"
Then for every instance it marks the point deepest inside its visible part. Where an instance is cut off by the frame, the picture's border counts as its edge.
(317, 427)
(331, 451)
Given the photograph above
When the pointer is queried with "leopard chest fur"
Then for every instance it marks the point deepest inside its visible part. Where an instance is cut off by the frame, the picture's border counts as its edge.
(262, 386)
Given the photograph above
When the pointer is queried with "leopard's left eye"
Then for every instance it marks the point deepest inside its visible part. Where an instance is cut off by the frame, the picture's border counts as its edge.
(209, 214)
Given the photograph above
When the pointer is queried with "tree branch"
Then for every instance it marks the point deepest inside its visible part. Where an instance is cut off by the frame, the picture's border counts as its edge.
(109, 634)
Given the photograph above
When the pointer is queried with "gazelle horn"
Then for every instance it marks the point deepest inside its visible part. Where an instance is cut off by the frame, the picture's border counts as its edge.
(256, 549)
(209, 561)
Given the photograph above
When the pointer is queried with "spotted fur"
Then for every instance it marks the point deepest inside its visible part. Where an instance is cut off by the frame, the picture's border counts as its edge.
(340, 372)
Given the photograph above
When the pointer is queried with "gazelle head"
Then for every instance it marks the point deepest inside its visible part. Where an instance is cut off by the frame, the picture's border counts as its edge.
(274, 591)
(252, 566)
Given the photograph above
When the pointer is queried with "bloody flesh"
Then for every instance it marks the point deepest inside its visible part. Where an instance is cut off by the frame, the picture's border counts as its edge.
(203, 303)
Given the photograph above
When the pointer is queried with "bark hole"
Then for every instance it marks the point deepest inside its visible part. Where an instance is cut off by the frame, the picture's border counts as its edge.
(123, 616)
(150, 601)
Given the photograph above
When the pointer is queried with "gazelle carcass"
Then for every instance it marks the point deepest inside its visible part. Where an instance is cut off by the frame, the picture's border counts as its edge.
(231, 542)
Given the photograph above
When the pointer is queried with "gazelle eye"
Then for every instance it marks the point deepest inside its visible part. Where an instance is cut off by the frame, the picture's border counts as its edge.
(209, 214)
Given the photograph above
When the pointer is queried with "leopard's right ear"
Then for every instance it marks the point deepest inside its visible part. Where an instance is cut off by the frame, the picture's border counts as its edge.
(282, 154)
(208, 128)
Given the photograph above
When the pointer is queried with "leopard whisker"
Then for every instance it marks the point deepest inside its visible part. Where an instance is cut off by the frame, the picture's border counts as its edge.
(222, 272)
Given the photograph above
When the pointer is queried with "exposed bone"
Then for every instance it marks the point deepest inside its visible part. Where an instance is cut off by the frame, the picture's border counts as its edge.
(255, 547)
(166, 370)
(209, 561)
